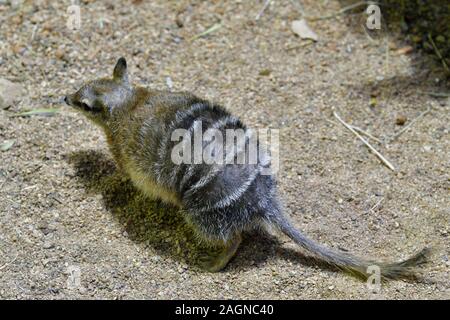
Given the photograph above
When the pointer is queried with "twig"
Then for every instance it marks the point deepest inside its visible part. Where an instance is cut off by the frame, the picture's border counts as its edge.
(379, 155)
(7, 264)
(331, 121)
(3, 183)
(341, 11)
(376, 205)
(436, 94)
(367, 134)
(29, 187)
(305, 44)
(266, 4)
(208, 31)
(409, 125)
(386, 65)
(438, 53)
(39, 111)
(33, 34)
(358, 129)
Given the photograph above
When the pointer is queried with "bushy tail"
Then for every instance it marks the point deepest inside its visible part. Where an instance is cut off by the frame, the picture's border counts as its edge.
(347, 262)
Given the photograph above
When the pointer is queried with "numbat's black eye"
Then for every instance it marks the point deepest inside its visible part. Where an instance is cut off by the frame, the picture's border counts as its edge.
(95, 107)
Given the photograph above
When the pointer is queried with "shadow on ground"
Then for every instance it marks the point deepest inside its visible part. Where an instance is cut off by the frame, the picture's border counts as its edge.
(422, 24)
(162, 226)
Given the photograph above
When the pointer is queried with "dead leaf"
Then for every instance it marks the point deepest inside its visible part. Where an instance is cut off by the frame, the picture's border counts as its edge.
(404, 50)
(6, 145)
(301, 28)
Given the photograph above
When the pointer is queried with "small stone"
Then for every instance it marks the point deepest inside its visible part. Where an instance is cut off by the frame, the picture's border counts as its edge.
(82, 290)
(400, 120)
(47, 26)
(169, 82)
(9, 92)
(392, 45)
(405, 50)
(264, 72)
(48, 245)
(59, 53)
(18, 49)
(179, 22)
(375, 92)
(17, 19)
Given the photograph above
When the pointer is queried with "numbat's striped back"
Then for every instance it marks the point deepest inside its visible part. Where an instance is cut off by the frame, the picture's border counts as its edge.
(213, 192)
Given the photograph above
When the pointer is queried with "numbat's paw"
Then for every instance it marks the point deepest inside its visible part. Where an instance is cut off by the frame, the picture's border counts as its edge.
(214, 261)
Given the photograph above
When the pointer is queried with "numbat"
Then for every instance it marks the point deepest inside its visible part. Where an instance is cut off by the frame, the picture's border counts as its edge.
(219, 200)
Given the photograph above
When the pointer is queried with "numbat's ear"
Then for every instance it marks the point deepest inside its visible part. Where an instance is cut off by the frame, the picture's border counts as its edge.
(120, 70)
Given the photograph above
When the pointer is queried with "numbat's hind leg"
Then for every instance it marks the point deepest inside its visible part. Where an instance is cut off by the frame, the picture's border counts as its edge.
(215, 259)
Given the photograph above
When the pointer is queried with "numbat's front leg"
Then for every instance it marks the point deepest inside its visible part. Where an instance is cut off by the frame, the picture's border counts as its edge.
(216, 258)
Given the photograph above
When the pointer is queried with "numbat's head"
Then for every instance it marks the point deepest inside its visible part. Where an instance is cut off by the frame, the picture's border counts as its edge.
(97, 99)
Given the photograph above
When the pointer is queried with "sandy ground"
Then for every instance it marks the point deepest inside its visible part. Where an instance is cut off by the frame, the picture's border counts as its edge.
(67, 215)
